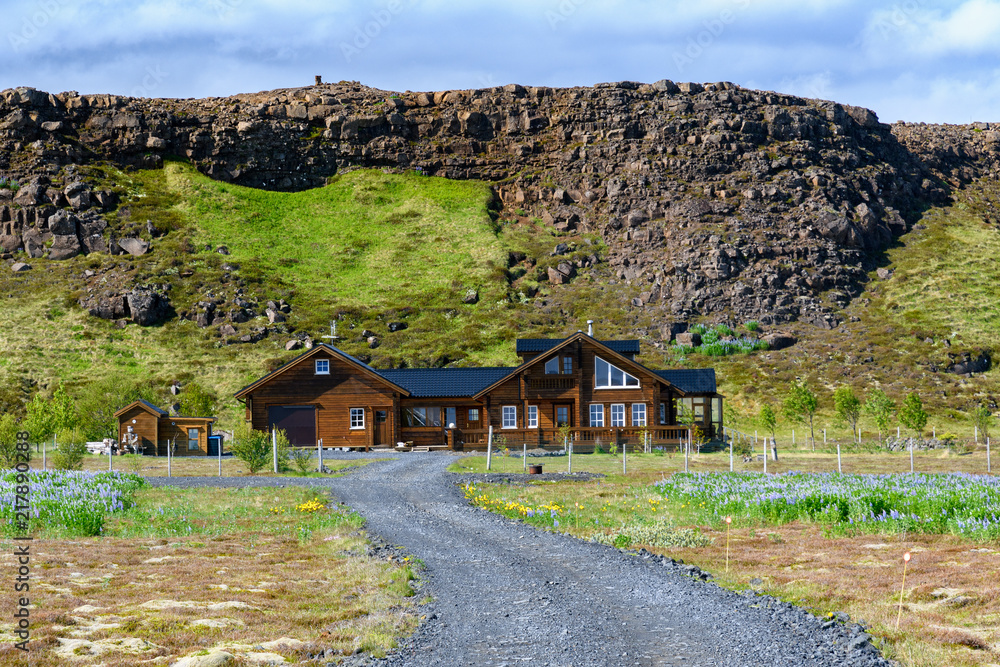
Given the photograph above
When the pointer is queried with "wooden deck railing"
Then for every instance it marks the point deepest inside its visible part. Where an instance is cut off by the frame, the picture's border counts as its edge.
(584, 439)
(550, 384)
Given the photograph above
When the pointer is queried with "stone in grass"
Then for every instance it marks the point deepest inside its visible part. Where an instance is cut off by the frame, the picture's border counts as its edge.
(20, 267)
(213, 659)
(134, 246)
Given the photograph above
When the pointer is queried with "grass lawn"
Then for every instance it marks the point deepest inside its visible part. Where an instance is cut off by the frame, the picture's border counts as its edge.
(951, 610)
(183, 572)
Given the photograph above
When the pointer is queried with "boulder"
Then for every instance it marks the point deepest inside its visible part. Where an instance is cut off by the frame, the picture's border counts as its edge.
(555, 277)
(134, 245)
(970, 364)
(373, 342)
(471, 296)
(780, 341)
(275, 316)
(30, 195)
(689, 339)
(147, 307)
(110, 308)
(34, 243)
(293, 345)
(227, 330)
(884, 274)
(63, 223)
(65, 247)
(397, 326)
(20, 267)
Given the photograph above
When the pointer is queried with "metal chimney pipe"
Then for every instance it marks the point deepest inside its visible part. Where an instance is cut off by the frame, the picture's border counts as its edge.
(590, 328)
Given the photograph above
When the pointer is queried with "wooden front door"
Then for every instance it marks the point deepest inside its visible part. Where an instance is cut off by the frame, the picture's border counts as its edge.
(563, 415)
(381, 427)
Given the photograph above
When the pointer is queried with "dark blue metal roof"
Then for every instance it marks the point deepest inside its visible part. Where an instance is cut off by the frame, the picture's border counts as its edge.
(533, 345)
(445, 382)
(159, 411)
(691, 381)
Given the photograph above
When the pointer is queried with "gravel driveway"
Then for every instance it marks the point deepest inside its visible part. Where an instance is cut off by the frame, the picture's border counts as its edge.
(508, 594)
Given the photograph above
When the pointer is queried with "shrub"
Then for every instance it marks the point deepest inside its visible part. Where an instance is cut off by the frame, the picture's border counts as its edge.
(254, 448)
(752, 326)
(302, 459)
(70, 449)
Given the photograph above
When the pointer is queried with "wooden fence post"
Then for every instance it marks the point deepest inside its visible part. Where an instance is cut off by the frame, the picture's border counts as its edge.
(489, 449)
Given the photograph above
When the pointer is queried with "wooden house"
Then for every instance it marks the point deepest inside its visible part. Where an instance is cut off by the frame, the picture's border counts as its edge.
(591, 390)
(153, 431)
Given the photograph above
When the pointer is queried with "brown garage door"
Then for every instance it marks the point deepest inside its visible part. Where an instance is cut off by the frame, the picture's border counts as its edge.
(297, 421)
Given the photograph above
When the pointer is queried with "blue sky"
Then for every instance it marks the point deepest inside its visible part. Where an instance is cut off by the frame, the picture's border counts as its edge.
(914, 60)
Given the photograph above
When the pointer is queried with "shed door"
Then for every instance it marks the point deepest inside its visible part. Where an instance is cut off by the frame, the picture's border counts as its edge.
(297, 421)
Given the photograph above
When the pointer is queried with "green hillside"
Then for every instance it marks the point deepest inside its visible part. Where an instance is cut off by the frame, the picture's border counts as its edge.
(372, 248)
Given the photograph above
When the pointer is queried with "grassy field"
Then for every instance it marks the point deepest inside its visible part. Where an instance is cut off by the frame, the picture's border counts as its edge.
(951, 602)
(188, 572)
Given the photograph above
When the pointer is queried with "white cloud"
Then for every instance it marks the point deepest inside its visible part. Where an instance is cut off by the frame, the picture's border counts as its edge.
(933, 54)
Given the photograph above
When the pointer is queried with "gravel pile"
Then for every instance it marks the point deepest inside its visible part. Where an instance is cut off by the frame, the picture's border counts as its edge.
(508, 594)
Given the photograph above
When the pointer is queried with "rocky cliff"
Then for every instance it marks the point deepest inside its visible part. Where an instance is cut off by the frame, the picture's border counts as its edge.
(712, 199)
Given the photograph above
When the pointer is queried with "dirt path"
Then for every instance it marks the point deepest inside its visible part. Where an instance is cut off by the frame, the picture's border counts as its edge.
(508, 594)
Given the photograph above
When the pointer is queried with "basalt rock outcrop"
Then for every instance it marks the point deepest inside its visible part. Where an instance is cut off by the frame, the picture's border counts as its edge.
(709, 198)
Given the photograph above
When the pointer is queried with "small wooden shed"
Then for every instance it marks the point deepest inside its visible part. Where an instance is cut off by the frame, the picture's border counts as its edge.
(154, 430)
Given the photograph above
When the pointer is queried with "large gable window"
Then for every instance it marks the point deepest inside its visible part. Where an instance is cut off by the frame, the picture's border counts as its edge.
(607, 375)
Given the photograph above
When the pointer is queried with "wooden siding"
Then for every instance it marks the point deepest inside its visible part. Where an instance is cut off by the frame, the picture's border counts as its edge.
(145, 427)
(176, 429)
(333, 396)
(546, 391)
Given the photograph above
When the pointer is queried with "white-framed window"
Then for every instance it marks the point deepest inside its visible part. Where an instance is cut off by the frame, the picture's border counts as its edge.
(618, 414)
(322, 367)
(357, 418)
(552, 366)
(607, 375)
(638, 414)
(509, 416)
(192, 439)
(663, 413)
(532, 416)
(597, 415)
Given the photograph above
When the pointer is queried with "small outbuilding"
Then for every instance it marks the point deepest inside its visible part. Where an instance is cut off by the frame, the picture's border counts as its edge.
(147, 429)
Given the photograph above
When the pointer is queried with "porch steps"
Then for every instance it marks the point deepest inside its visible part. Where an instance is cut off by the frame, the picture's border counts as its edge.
(423, 450)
